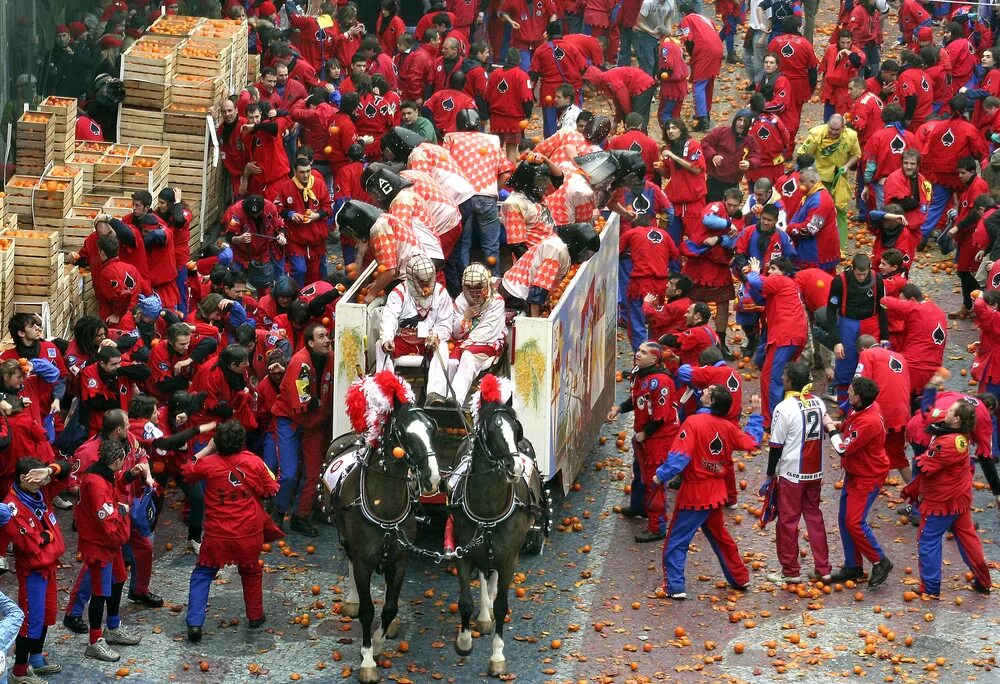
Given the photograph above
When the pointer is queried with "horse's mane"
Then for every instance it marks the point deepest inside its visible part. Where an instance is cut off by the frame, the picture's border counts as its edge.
(370, 401)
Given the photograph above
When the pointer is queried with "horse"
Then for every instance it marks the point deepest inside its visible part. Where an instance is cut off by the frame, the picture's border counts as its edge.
(496, 498)
(371, 487)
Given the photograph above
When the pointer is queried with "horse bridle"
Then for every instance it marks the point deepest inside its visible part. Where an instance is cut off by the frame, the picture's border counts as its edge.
(496, 460)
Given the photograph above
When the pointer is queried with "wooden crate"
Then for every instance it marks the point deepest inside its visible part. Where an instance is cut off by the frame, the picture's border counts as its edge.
(203, 57)
(144, 173)
(151, 59)
(92, 147)
(95, 200)
(253, 68)
(7, 247)
(108, 173)
(19, 191)
(175, 26)
(77, 226)
(64, 113)
(139, 93)
(50, 199)
(141, 126)
(71, 174)
(84, 162)
(38, 263)
(119, 207)
(198, 91)
(35, 130)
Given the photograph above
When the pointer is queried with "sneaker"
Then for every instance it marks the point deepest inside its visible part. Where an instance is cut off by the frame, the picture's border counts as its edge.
(303, 527)
(47, 668)
(845, 574)
(732, 506)
(195, 546)
(647, 536)
(99, 650)
(434, 399)
(880, 573)
(62, 503)
(75, 624)
(678, 596)
(150, 600)
(4, 565)
(778, 578)
(121, 636)
(816, 577)
(30, 678)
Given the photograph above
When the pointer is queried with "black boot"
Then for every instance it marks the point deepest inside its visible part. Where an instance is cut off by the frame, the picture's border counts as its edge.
(257, 623)
(75, 624)
(303, 527)
(701, 126)
(880, 572)
(845, 574)
(194, 634)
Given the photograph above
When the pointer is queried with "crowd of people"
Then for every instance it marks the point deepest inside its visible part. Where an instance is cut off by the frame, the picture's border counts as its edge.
(399, 149)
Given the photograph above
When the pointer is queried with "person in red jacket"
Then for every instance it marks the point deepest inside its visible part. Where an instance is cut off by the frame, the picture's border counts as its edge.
(314, 44)
(708, 255)
(696, 337)
(986, 366)
(416, 73)
(108, 384)
(378, 61)
(443, 106)
(103, 527)
(236, 525)
(527, 20)
(841, 63)
(865, 112)
(117, 288)
(772, 141)
(254, 227)
(653, 400)
(943, 487)
(673, 71)
(301, 417)
(972, 204)
(177, 218)
(600, 19)
(231, 143)
(924, 332)
(315, 116)
(229, 394)
(30, 526)
(636, 140)
(627, 88)
(298, 69)
(727, 150)
(865, 24)
(948, 142)
(909, 189)
(889, 369)
(862, 451)
(713, 370)
(881, 155)
(684, 164)
(389, 26)
(554, 63)
(267, 162)
(160, 252)
(288, 93)
(913, 92)
(787, 327)
(703, 45)
(349, 33)
(797, 62)
(665, 314)
(702, 452)
(304, 203)
(813, 228)
(510, 100)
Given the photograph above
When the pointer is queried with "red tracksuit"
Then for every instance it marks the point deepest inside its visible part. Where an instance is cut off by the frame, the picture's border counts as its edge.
(507, 90)
(666, 319)
(554, 63)
(653, 401)
(866, 465)
(674, 88)
(787, 326)
(93, 386)
(444, 106)
(837, 73)
(772, 140)
(686, 190)
(306, 240)
(417, 72)
(267, 150)
(117, 288)
(888, 370)
(711, 267)
(223, 401)
(103, 526)
(237, 222)
(922, 343)
(949, 141)
(865, 117)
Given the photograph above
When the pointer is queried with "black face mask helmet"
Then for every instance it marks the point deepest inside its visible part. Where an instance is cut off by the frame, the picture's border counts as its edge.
(580, 239)
(382, 185)
(399, 143)
(468, 120)
(356, 219)
(598, 129)
(530, 179)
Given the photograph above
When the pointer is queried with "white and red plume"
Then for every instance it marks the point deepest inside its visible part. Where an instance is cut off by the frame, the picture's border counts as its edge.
(491, 390)
(370, 400)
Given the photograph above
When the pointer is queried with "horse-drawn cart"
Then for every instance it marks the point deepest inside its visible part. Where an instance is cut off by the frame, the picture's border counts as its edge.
(562, 366)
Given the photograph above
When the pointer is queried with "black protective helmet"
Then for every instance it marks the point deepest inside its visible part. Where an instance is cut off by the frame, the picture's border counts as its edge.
(468, 120)
(599, 167)
(629, 163)
(598, 129)
(580, 239)
(253, 205)
(286, 286)
(383, 185)
(399, 143)
(356, 219)
(530, 179)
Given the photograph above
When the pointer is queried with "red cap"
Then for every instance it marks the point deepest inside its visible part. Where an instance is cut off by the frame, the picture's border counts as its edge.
(925, 34)
(110, 41)
(77, 29)
(266, 9)
(62, 28)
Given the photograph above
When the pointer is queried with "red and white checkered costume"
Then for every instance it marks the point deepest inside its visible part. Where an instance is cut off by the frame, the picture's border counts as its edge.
(436, 318)
(393, 243)
(543, 266)
(526, 221)
(573, 201)
(480, 157)
(479, 341)
(445, 214)
(566, 144)
(440, 165)
(410, 208)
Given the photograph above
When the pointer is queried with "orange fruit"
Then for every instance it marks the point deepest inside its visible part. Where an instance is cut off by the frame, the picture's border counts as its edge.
(122, 672)
(679, 632)
(327, 150)
(738, 648)
(203, 666)
(398, 452)
(523, 124)
(556, 643)
(315, 589)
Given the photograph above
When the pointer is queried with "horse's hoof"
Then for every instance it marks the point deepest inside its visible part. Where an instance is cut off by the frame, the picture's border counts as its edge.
(485, 627)
(393, 630)
(349, 610)
(368, 675)
(498, 667)
(461, 652)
